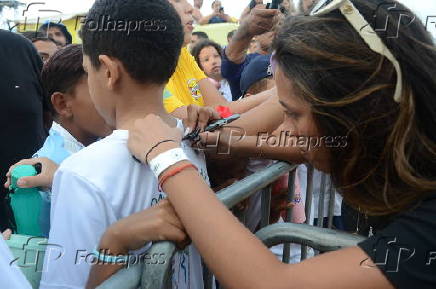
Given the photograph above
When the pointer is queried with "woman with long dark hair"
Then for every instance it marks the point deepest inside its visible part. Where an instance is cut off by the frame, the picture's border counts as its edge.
(336, 77)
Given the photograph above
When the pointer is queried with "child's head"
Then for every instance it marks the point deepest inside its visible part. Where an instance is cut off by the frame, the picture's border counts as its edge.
(57, 32)
(65, 84)
(129, 45)
(257, 76)
(208, 55)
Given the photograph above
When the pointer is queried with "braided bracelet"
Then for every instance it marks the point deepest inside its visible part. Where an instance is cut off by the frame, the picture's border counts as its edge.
(155, 146)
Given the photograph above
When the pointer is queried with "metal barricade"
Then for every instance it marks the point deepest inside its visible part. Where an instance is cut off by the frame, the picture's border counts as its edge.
(157, 276)
(320, 239)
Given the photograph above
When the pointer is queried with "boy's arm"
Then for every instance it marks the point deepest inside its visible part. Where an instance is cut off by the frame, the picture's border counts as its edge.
(154, 224)
(79, 216)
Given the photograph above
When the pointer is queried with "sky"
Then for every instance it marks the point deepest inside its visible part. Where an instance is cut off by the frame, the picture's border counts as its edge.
(425, 9)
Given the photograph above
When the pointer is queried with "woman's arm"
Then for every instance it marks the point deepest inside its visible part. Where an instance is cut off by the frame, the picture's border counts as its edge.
(235, 256)
(213, 98)
(240, 260)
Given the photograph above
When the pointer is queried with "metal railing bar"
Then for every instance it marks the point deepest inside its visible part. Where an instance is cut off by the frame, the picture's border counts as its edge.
(230, 196)
(129, 278)
(291, 197)
(320, 221)
(332, 197)
(265, 206)
(321, 239)
(241, 190)
(308, 207)
(158, 280)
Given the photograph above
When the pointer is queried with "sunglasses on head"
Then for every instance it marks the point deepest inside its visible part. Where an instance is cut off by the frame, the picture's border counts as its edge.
(355, 18)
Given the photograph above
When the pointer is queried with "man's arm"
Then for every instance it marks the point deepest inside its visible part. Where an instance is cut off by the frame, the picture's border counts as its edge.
(153, 224)
(259, 21)
(205, 20)
(213, 98)
(228, 18)
(265, 117)
(197, 15)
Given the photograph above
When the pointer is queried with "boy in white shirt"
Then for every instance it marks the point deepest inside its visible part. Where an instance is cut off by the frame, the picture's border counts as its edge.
(130, 50)
(76, 122)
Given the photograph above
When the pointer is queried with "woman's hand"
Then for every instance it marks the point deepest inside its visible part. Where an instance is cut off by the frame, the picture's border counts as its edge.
(158, 223)
(44, 179)
(149, 131)
(199, 116)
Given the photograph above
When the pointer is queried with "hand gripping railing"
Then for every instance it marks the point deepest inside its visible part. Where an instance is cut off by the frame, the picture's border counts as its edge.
(158, 276)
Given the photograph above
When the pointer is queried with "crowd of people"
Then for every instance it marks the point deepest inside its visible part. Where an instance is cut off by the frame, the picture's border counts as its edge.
(107, 122)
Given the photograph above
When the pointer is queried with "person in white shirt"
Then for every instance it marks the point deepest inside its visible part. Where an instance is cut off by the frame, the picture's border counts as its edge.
(103, 183)
(76, 122)
(11, 276)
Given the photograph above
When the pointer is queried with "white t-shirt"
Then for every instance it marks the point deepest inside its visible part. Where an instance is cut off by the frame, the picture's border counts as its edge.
(94, 188)
(317, 176)
(11, 276)
(225, 90)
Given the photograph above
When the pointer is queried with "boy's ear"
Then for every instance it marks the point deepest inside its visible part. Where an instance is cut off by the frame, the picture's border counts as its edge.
(111, 69)
(62, 104)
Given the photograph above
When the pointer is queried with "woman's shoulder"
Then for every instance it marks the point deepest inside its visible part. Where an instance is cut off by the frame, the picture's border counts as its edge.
(405, 250)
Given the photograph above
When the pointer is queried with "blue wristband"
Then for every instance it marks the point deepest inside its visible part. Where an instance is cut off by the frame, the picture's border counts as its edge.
(109, 259)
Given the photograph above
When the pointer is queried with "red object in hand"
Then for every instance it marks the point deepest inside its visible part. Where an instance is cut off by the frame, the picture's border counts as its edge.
(224, 111)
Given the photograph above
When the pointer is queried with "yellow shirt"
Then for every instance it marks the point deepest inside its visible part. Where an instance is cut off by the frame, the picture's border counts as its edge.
(183, 88)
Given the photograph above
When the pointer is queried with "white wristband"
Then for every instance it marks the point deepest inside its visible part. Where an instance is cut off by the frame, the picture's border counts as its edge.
(164, 160)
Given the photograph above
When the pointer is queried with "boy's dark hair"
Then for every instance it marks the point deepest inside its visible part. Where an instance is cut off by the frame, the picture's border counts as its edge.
(34, 36)
(45, 39)
(62, 28)
(196, 50)
(62, 71)
(201, 34)
(146, 36)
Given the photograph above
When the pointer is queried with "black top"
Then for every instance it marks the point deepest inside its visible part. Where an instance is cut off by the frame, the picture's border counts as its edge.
(405, 251)
(22, 131)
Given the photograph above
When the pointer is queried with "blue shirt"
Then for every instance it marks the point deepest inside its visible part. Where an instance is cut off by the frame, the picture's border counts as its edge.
(233, 71)
(59, 145)
(216, 19)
